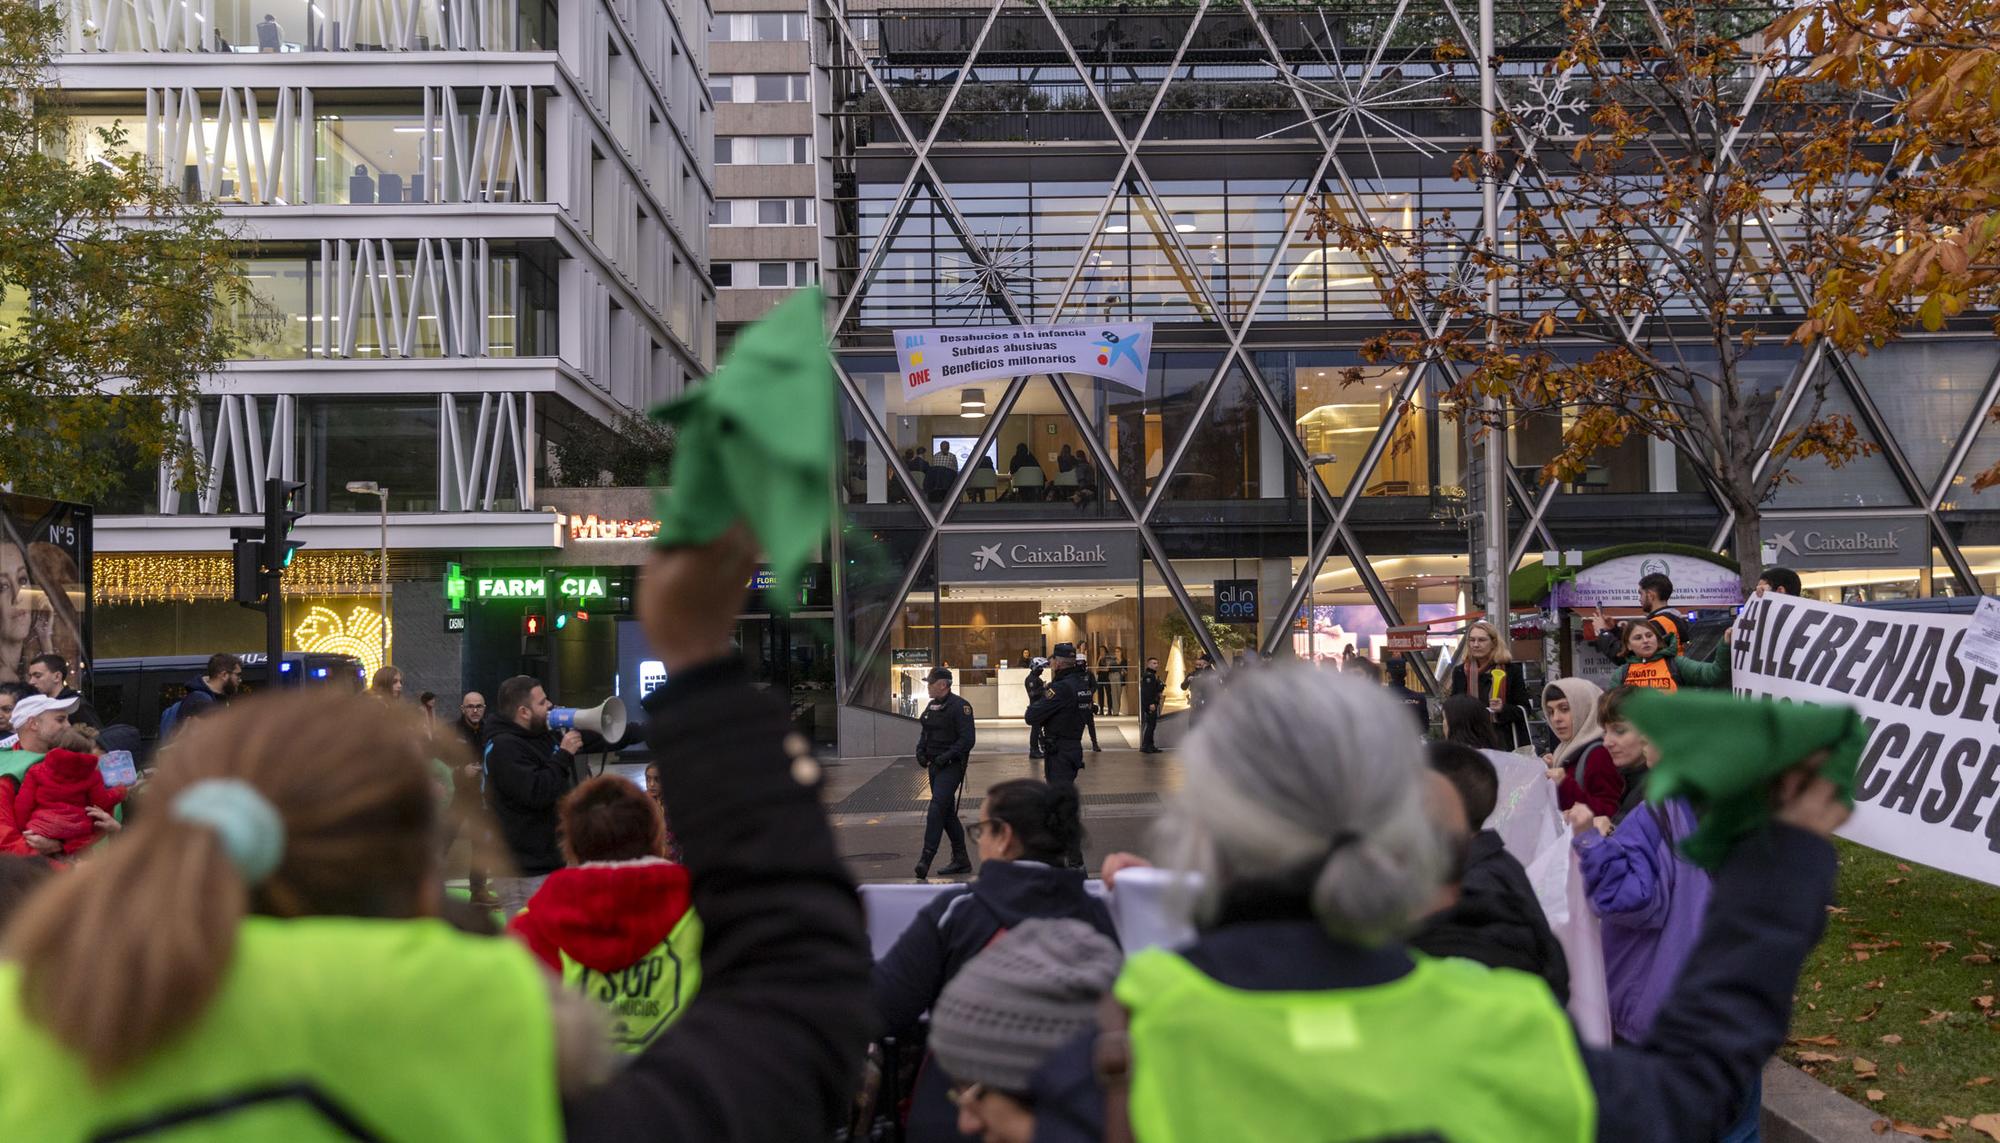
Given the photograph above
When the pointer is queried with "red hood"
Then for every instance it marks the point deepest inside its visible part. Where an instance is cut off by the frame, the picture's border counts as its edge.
(605, 915)
(68, 771)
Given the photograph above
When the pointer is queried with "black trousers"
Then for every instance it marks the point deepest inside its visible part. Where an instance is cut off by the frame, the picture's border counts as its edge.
(1090, 725)
(1148, 723)
(1061, 763)
(943, 816)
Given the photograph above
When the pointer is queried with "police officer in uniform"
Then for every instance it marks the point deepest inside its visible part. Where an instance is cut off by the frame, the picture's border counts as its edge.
(1152, 692)
(1060, 715)
(944, 746)
(1036, 686)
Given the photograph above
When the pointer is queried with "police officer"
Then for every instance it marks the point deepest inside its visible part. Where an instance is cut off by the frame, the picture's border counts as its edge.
(1061, 716)
(1037, 686)
(1152, 692)
(1090, 712)
(944, 746)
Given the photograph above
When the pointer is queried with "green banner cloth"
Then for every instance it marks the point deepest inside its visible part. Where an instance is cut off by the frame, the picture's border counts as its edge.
(755, 442)
(1724, 754)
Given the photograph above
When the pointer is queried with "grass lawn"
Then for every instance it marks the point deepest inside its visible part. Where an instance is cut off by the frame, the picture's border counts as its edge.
(1896, 1008)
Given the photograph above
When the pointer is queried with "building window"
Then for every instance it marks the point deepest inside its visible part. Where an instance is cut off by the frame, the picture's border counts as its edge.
(764, 212)
(762, 150)
(760, 27)
(763, 275)
(758, 89)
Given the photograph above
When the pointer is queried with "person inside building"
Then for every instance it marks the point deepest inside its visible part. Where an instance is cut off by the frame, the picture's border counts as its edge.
(1026, 829)
(278, 954)
(1655, 589)
(527, 772)
(946, 733)
(1486, 670)
(1090, 712)
(618, 923)
(1152, 692)
(1653, 659)
(1303, 807)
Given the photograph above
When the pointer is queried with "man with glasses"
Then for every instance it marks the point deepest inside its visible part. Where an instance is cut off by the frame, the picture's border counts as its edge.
(465, 791)
(471, 714)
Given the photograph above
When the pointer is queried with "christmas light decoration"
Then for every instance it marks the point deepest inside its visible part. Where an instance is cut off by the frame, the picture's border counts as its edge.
(325, 631)
(121, 577)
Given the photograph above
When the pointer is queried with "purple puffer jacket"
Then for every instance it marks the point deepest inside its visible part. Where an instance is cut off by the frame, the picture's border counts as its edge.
(1651, 901)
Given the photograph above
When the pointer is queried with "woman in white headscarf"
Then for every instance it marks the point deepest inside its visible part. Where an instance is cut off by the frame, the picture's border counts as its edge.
(1580, 766)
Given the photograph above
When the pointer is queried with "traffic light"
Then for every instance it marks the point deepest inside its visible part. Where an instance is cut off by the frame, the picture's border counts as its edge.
(282, 509)
(531, 623)
(248, 555)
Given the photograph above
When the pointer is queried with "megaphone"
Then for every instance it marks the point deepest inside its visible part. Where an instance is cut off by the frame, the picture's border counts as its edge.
(606, 719)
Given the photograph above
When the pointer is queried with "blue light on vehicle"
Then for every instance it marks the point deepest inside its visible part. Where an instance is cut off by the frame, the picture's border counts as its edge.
(285, 668)
(319, 672)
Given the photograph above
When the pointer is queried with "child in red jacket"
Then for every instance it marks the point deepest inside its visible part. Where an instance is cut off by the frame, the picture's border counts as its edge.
(618, 924)
(56, 794)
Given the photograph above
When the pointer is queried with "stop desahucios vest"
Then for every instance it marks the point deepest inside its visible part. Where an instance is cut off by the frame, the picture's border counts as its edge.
(1452, 1050)
(324, 1028)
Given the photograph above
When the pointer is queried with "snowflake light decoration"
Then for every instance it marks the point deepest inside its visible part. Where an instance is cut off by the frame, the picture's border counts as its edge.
(1553, 105)
(1009, 264)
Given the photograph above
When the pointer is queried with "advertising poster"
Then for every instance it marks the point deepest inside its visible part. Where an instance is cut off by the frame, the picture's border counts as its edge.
(44, 583)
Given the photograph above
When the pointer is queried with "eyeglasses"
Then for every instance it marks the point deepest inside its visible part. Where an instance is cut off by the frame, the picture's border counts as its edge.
(473, 706)
(977, 828)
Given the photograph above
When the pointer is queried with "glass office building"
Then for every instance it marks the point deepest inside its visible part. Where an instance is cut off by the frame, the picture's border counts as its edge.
(1010, 163)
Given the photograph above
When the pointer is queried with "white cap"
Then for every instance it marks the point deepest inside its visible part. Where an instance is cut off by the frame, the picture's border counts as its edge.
(26, 710)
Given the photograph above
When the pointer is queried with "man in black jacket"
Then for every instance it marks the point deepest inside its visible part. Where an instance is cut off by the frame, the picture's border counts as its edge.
(49, 674)
(1036, 686)
(1061, 715)
(1497, 919)
(945, 736)
(1152, 692)
(526, 776)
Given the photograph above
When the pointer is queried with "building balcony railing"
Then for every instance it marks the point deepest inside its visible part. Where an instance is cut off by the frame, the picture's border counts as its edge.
(280, 27)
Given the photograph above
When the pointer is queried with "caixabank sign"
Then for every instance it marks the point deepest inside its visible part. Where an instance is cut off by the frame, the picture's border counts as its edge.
(1037, 557)
(1834, 542)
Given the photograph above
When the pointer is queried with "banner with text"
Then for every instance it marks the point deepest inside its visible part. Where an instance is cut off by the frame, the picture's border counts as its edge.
(932, 360)
(1928, 788)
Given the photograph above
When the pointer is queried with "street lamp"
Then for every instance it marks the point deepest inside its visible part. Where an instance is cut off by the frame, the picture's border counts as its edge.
(370, 488)
(1313, 464)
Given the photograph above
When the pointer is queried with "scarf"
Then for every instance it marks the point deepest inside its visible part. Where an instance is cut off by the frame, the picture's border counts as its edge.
(1584, 731)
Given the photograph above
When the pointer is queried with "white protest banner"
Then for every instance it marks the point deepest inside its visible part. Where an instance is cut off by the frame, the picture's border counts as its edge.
(931, 360)
(1928, 788)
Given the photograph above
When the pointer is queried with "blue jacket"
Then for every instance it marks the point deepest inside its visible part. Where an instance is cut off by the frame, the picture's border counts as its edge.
(1651, 900)
(1688, 1079)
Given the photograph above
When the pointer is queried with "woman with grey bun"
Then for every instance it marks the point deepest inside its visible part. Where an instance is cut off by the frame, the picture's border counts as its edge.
(1297, 1012)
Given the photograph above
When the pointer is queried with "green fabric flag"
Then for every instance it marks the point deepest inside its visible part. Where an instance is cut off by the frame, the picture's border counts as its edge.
(755, 442)
(1723, 754)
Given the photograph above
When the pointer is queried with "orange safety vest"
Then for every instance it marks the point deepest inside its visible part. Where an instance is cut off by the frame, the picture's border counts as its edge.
(1657, 674)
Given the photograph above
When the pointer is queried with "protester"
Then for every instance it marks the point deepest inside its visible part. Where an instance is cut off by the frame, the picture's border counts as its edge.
(19, 878)
(1398, 672)
(1496, 919)
(1302, 811)
(1002, 1017)
(387, 683)
(1627, 748)
(56, 797)
(527, 774)
(618, 924)
(1580, 766)
(1026, 830)
(1152, 692)
(1782, 580)
(654, 791)
(217, 685)
(268, 921)
(1650, 898)
(945, 737)
(1653, 659)
(1486, 670)
(38, 722)
(49, 674)
(1655, 589)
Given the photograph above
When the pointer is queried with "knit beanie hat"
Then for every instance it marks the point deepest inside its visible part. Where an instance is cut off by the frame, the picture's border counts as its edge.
(1012, 1006)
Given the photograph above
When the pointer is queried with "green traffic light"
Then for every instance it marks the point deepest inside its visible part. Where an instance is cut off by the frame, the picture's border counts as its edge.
(562, 620)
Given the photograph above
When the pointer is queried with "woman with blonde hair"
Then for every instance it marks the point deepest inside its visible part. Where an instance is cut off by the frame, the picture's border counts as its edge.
(1485, 669)
(281, 972)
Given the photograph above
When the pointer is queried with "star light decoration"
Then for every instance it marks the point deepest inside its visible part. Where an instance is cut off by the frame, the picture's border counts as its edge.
(1359, 92)
(1009, 263)
(359, 633)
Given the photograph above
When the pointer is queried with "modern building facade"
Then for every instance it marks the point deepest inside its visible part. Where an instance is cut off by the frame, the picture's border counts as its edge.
(994, 163)
(474, 232)
(765, 236)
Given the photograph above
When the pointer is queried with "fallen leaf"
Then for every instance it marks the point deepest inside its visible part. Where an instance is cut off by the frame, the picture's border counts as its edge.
(1834, 910)
(1901, 1070)
(1861, 956)
(1875, 946)
(1875, 1094)
(1817, 1058)
(1976, 958)
(1953, 1121)
(1875, 985)
(1901, 868)
(1863, 1069)
(1988, 1124)
(1937, 949)
(1935, 1017)
(1820, 1041)
(1879, 1127)
(1870, 1014)
(1921, 1132)
(1895, 881)
(1979, 1081)
(1890, 1039)
(1985, 1003)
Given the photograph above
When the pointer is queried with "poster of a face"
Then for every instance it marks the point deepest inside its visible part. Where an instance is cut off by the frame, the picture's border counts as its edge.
(44, 583)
